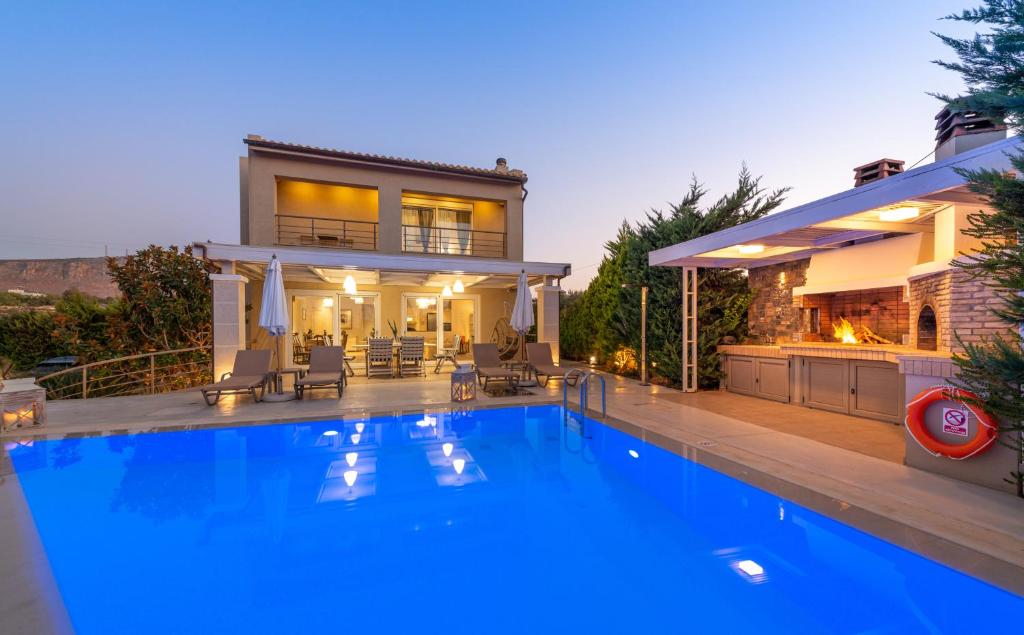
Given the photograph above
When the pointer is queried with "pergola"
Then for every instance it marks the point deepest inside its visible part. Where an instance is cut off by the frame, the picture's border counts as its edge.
(903, 204)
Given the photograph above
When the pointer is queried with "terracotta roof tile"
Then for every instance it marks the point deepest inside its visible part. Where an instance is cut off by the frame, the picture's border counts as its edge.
(497, 172)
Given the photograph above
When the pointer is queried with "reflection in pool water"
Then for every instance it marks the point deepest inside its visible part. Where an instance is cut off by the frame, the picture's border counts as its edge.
(482, 522)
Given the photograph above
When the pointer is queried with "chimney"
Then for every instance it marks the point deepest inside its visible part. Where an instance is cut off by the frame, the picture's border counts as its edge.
(871, 172)
(501, 165)
(960, 131)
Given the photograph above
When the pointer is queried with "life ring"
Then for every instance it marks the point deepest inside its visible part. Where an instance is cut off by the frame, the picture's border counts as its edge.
(984, 435)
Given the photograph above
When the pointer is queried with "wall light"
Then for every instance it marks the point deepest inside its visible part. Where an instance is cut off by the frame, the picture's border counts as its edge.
(328, 303)
(750, 249)
(458, 288)
(422, 303)
(358, 299)
(898, 214)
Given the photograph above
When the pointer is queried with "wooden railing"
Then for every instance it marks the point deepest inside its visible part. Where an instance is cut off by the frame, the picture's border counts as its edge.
(143, 374)
(451, 241)
(309, 231)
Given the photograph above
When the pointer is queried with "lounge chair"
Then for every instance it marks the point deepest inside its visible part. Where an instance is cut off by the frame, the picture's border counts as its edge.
(348, 358)
(410, 356)
(489, 366)
(379, 356)
(538, 354)
(250, 371)
(449, 354)
(326, 370)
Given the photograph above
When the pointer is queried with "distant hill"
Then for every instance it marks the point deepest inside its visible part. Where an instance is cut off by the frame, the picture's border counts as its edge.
(88, 275)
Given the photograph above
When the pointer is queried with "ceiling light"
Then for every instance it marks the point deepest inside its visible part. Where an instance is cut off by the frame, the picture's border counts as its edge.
(358, 299)
(634, 454)
(331, 433)
(360, 427)
(422, 303)
(459, 465)
(750, 249)
(328, 303)
(351, 458)
(898, 214)
(447, 448)
(458, 288)
(349, 285)
(355, 438)
(447, 291)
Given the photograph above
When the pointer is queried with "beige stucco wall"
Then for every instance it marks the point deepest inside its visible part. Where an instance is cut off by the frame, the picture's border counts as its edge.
(266, 169)
(304, 198)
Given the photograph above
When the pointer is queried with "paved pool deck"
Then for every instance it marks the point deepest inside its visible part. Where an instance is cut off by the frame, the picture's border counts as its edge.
(845, 467)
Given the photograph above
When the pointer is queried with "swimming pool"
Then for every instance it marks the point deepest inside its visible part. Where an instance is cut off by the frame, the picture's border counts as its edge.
(485, 521)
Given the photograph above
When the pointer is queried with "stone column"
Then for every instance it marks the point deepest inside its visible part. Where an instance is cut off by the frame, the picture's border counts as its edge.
(547, 314)
(228, 320)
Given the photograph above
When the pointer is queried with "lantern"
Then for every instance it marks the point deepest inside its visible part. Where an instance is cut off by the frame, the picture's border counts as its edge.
(463, 384)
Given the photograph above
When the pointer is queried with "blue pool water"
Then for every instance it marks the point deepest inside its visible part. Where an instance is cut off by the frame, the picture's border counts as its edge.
(518, 526)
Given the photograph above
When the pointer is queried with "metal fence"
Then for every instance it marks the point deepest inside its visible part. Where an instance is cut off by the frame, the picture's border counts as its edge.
(143, 374)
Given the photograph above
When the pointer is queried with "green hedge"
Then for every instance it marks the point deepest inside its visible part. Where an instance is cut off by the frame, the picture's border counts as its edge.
(604, 320)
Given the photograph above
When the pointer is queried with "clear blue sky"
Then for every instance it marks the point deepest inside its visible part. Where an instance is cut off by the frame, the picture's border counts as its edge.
(122, 123)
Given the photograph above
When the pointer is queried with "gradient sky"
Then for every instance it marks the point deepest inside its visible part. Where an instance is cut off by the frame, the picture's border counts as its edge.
(123, 122)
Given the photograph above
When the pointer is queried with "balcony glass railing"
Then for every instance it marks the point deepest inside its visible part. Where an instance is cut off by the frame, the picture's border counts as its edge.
(310, 231)
(451, 241)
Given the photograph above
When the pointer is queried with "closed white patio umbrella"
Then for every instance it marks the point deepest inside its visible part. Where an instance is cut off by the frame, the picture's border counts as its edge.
(522, 312)
(274, 313)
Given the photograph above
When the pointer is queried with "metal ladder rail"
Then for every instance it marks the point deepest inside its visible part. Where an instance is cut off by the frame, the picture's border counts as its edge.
(583, 382)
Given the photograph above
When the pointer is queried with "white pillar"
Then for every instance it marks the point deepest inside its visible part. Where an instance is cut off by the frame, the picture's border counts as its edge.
(547, 314)
(228, 319)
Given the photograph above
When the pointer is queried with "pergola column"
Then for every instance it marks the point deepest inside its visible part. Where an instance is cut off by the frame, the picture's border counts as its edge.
(228, 291)
(547, 314)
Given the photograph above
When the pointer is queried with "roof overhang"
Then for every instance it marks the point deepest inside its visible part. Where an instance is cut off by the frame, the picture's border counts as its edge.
(317, 258)
(801, 231)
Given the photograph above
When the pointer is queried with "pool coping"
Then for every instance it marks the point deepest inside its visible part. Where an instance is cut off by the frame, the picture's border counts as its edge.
(732, 461)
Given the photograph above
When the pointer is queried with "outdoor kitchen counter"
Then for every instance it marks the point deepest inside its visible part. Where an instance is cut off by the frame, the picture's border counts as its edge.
(872, 352)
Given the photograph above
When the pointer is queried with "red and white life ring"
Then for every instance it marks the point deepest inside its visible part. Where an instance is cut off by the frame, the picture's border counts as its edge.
(984, 435)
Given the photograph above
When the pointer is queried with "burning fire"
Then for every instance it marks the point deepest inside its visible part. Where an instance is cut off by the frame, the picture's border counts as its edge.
(843, 331)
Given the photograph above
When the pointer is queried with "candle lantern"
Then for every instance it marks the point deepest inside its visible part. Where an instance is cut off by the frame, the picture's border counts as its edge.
(22, 403)
(463, 384)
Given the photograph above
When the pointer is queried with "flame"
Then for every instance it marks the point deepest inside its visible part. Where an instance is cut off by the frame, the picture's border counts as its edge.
(843, 331)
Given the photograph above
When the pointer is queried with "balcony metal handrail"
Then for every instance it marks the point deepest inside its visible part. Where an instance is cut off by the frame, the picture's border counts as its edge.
(453, 241)
(145, 373)
(316, 231)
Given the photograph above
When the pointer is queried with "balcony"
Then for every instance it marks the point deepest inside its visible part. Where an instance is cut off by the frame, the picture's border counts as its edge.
(419, 239)
(309, 231)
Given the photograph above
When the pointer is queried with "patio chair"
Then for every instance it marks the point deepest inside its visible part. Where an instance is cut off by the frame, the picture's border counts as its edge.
(379, 357)
(410, 357)
(299, 353)
(251, 370)
(326, 370)
(348, 358)
(489, 366)
(449, 354)
(538, 354)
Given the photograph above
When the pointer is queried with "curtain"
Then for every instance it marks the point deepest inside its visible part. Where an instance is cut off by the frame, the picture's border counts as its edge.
(421, 217)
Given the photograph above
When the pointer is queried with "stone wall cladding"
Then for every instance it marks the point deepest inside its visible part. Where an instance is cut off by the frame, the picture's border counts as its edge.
(772, 314)
(962, 308)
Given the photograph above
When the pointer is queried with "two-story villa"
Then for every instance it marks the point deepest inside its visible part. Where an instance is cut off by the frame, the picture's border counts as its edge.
(375, 245)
